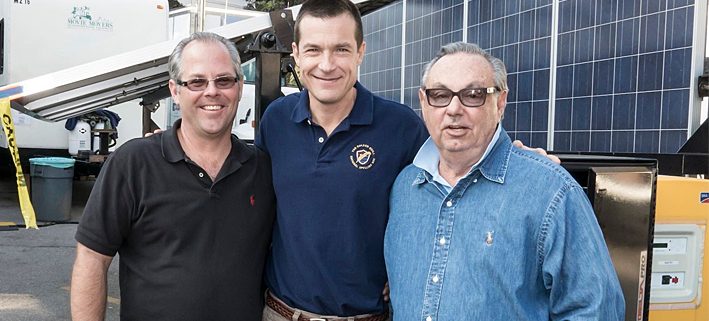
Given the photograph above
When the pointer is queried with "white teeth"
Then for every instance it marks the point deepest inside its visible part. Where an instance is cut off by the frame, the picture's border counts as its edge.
(212, 107)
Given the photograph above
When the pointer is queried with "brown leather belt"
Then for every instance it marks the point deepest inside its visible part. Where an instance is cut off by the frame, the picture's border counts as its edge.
(288, 313)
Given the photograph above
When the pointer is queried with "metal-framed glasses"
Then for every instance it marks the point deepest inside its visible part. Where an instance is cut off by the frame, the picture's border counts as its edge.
(469, 97)
(200, 84)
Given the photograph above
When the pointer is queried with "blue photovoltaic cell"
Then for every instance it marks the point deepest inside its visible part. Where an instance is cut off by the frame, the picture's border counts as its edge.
(581, 114)
(509, 121)
(626, 74)
(580, 141)
(540, 116)
(623, 141)
(605, 41)
(524, 116)
(603, 77)
(624, 111)
(562, 118)
(647, 113)
(600, 141)
(602, 112)
(675, 104)
(623, 67)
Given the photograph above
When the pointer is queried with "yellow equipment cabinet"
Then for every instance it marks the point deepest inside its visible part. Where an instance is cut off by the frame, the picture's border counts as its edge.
(678, 264)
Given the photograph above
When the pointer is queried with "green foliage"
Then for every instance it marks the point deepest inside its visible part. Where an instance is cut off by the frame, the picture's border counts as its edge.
(271, 5)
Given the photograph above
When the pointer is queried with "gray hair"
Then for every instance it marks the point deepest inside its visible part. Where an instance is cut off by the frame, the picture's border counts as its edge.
(174, 64)
(498, 67)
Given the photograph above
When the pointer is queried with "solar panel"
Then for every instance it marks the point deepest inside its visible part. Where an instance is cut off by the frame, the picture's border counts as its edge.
(604, 75)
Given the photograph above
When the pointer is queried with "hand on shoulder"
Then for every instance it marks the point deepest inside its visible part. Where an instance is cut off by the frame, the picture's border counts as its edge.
(540, 151)
(157, 131)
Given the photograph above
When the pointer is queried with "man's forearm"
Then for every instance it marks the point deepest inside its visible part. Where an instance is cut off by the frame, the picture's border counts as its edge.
(88, 285)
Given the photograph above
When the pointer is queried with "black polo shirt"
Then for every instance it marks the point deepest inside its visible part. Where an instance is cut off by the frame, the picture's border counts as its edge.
(190, 248)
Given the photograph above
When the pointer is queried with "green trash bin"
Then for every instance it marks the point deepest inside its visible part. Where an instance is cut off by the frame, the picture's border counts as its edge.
(52, 179)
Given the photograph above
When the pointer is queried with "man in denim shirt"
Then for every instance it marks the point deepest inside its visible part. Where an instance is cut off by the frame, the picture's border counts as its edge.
(479, 230)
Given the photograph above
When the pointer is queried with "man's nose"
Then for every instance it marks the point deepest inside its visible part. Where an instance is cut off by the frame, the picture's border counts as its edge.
(455, 107)
(326, 62)
(211, 89)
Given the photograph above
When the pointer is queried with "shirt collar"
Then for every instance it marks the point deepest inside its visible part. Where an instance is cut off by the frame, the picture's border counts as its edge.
(362, 113)
(428, 157)
(172, 150)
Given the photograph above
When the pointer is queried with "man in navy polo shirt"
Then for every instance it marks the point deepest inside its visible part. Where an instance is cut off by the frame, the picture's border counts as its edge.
(336, 150)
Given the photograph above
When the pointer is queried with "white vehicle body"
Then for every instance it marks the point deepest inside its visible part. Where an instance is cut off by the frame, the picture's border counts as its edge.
(43, 36)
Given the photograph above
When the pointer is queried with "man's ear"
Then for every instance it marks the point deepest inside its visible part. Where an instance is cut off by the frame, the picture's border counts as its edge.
(502, 103)
(360, 52)
(295, 54)
(173, 90)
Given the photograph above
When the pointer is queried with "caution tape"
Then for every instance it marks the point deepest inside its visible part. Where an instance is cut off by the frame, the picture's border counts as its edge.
(25, 204)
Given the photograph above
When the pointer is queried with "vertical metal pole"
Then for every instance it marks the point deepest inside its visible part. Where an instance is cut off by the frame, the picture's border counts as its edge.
(268, 82)
(200, 16)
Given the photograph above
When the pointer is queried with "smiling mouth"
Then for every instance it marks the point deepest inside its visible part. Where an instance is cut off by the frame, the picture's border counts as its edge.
(212, 107)
(326, 79)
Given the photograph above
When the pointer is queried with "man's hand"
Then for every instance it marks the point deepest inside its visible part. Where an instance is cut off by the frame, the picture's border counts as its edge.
(540, 151)
(154, 132)
(385, 292)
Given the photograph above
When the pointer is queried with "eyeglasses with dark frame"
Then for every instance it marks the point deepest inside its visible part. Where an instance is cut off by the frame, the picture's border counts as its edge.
(200, 84)
(469, 97)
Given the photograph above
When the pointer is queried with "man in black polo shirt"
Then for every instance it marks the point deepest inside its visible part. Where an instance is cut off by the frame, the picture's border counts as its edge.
(190, 210)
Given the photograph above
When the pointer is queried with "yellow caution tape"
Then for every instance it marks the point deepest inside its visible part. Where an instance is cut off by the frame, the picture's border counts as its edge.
(25, 203)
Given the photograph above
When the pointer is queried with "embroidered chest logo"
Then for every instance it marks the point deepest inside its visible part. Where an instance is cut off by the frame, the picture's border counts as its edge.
(362, 156)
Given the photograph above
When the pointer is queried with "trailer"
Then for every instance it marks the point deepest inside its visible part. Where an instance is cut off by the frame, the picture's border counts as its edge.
(39, 37)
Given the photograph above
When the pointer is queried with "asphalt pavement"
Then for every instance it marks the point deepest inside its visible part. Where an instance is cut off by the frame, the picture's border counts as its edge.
(35, 265)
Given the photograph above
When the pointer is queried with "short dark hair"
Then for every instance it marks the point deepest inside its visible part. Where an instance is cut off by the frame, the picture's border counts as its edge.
(330, 9)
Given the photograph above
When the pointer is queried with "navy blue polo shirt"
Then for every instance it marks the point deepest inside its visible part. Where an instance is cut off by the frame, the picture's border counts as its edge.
(333, 200)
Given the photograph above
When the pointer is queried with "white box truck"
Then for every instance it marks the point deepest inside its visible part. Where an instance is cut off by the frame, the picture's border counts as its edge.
(38, 37)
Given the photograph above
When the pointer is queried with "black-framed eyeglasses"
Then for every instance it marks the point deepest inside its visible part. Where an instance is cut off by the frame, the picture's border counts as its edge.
(199, 84)
(469, 97)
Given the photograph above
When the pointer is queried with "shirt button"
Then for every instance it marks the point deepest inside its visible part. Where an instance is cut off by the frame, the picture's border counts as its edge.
(449, 203)
(435, 279)
(201, 174)
(429, 318)
(309, 123)
(475, 180)
(442, 241)
(320, 140)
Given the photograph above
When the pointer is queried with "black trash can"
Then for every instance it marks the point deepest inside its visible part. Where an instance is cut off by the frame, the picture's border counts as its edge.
(52, 179)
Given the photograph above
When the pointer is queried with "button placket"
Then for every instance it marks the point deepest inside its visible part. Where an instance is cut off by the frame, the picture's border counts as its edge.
(439, 259)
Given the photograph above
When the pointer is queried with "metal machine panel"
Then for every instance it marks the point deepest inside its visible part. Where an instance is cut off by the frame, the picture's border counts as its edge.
(622, 191)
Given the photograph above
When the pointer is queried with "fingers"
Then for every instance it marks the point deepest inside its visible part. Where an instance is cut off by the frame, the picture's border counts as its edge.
(157, 131)
(385, 292)
(554, 159)
(517, 143)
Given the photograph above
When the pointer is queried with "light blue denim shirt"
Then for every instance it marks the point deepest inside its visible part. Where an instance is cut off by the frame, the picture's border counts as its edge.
(427, 159)
(516, 239)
